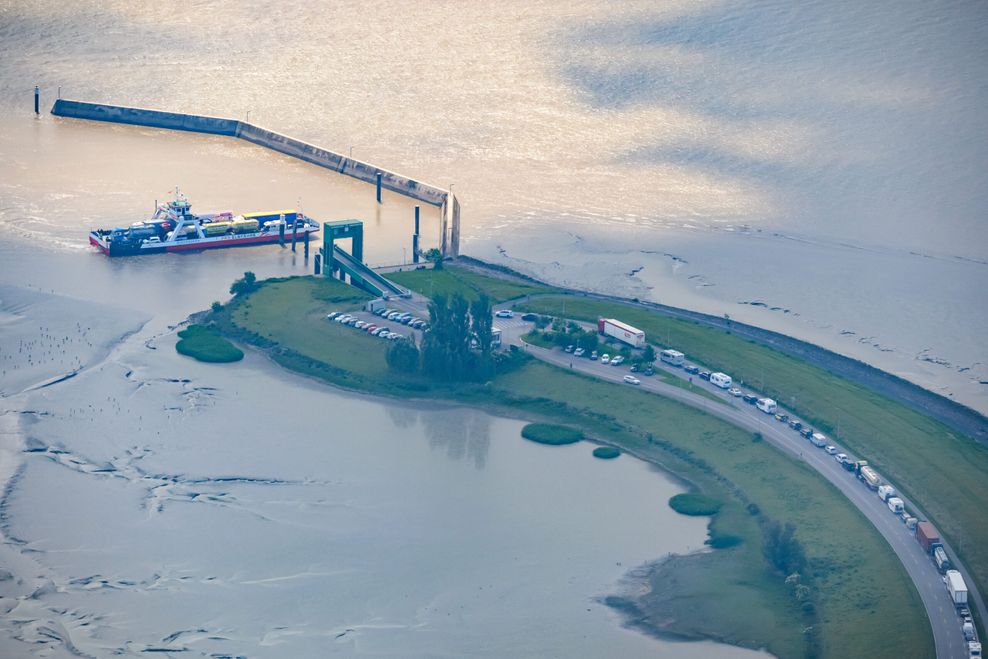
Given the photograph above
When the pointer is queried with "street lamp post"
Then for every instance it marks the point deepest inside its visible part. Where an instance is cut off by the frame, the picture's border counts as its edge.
(248, 116)
(404, 259)
(351, 153)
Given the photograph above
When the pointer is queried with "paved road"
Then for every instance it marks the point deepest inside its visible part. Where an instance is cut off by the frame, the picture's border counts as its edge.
(946, 624)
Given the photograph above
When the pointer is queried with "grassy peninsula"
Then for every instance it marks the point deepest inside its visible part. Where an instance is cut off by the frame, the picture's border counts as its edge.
(851, 597)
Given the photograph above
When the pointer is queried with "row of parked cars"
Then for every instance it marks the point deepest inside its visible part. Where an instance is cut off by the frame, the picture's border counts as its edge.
(403, 317)
(354, 322)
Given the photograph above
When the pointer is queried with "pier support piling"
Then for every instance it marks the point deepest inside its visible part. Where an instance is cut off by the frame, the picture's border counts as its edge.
(281, 234)
(417, 209)
(294, 232)
(379, 175)
(305, 243)
(37, 104)
(318, 264)
(415, 248)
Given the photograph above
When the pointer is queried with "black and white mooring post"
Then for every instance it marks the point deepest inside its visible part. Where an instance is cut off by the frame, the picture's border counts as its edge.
(37, 107)
(379, 187)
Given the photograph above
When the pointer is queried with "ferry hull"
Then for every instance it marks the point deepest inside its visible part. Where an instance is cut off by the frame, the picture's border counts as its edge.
(193, 245)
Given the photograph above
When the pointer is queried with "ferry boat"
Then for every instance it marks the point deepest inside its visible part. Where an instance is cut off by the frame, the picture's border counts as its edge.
(174, 228)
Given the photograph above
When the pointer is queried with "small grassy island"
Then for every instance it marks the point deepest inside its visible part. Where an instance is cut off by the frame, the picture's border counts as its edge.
(795, 568)
(606, 452)
(206, 345)
(697, 505)
(552, 434)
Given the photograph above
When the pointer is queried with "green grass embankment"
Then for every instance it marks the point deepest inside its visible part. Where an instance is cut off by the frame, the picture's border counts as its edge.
(468, 283)
(941, 470)
(862, 604)
(206, 345)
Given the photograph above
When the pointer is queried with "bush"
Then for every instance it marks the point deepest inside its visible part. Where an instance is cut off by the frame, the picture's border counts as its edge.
(696, 505)
(550, 433)
(206, 345)
(606, 452)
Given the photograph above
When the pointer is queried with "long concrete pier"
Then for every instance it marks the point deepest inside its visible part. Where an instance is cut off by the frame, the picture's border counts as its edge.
(389, 180)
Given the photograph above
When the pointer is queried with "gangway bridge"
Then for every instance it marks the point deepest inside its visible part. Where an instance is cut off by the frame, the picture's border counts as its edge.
(338, 262)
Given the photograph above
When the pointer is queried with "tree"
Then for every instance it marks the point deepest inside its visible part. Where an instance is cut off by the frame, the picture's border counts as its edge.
(588, 341)
(245, 284)
(446, 346)
(649, 355)
(403, 356)
(482, 328)
(782, 549)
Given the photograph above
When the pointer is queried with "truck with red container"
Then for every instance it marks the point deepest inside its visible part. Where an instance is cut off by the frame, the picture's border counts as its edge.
(927, 537)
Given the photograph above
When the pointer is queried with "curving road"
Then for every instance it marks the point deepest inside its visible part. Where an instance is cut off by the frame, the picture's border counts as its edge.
(946, 624)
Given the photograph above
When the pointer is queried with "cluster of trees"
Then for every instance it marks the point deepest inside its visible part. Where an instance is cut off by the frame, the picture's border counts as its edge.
(458, 345)
(782, 549)
(244, 285)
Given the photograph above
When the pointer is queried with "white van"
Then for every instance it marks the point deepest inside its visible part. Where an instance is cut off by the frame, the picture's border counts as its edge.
(767, 405)
(673, 357)
(721, 380)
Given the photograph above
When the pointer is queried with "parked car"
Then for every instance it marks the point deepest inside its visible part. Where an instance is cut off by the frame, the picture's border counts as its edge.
(634, 368)
(505, 313)
(393, 315)
(361, 324)
(750, 398)
(631, 379)
(617, 360)
(806, 432)
(831, 449)
(691, 369)
(841, 458)
(779, 416)
(705, 375)
(734, 391)
(579, 352)
(370, 327)
(605, 359)
(530, 317)
(593, 356)
(795, 424)
(569, 348)
(332, 314)
(649, 371)
(340, 319)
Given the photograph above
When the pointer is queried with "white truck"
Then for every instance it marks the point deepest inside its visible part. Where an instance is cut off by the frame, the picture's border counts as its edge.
(870, 477)
(721, 380)
(895, 505)
(956, 587)
(673, 357)
(974, 649)
(767, 405)
(818, 440)
(886, 491)
(941, 559)
(621, 331)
